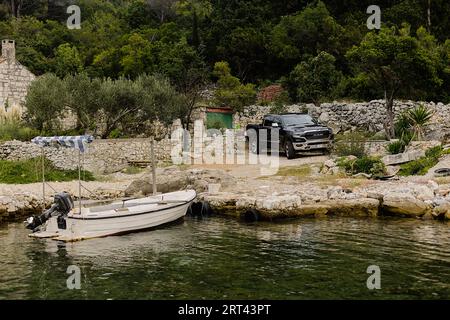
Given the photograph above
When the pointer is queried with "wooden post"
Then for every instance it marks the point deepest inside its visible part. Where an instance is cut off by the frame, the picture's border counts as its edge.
(79, 179)
(43, 178)
(152, 146)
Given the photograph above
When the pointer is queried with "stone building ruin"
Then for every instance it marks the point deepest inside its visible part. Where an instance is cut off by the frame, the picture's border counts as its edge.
(14, 78)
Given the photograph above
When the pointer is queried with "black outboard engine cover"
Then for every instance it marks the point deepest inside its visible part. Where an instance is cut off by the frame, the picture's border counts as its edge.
(62, 205)
(64, 202)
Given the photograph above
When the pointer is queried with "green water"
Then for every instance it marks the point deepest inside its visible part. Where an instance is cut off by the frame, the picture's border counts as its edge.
(219, 258)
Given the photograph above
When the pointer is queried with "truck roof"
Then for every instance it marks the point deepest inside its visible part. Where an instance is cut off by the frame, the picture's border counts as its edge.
(286, 114)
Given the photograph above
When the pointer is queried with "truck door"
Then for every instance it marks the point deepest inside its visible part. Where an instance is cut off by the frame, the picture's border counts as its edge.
(264, 134)
(274, 135)
(272, 129)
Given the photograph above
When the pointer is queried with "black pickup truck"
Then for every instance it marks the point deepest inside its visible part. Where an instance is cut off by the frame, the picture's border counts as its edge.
(297, 132)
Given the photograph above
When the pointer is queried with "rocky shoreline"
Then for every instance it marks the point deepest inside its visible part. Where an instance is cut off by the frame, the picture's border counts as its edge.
(399, 199)
(265, 198)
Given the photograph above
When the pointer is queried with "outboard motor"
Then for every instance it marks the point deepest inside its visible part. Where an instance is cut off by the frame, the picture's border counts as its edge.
(62, 205)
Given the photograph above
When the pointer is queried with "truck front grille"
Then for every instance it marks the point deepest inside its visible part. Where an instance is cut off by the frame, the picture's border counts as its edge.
(315, 135)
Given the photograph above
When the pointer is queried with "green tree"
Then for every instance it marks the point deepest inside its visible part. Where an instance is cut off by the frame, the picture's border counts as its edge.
(136, 57)
(188, 73)
(316, 79)
(395, 62)
(84, 99)
(230, 92)
(161, 101)
(46, 102)
(67, 60)
(307, 33)
(120, 104)
(195, 10)
(163, 9)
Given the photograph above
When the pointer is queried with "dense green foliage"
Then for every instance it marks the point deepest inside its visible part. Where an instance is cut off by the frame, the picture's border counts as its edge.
(16, 131)
(369, 165)
(315, 79)
(396, 147)
(230, 92)
(410, 125)
(29, 171)
(319, 50)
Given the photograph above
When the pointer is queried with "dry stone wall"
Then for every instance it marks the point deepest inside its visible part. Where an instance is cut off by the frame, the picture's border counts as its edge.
(343, 116)
(103, 156)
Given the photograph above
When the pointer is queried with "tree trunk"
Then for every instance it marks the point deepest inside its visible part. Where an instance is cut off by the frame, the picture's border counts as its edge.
(13, 8)
(429, 16)
(195, 34)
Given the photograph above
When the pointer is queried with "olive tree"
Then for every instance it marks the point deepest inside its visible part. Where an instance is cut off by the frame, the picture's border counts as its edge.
(46, 102)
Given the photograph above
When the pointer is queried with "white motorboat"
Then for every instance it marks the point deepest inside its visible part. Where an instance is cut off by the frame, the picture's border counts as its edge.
(116, 218)
(65, 222)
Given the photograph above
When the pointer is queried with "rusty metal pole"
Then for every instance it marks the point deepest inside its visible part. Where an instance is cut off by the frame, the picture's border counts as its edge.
(43, 178)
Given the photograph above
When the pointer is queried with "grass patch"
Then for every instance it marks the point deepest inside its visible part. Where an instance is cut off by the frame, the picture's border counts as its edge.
(133, 170)
(422, 165)
(302, 171)
(29, 171)
(13, 131)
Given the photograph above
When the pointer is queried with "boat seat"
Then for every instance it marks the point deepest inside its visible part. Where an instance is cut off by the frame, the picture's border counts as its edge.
(117, 206)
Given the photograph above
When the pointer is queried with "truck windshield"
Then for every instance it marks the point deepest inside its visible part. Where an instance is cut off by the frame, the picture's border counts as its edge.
(298, 120)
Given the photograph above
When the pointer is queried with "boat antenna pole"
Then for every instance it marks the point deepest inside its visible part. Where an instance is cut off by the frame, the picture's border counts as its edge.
(152, 147)
(43, 177)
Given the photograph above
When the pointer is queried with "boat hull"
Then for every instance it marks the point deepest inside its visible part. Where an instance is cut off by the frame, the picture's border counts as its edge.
(96, 224)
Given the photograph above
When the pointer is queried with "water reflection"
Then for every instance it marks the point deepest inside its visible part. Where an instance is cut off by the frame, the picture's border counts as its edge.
(222, 258)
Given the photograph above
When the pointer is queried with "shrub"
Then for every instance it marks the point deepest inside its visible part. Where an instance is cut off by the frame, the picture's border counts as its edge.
(278, 108)
(115, 134)
(12, 128)
(352, 144)
(402, 125)
(418, 118)
(282, 99)
(369, 165)
(396, 147)
(411, 123)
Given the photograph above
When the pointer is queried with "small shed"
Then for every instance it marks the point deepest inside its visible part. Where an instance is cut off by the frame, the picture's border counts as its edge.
(218, 118)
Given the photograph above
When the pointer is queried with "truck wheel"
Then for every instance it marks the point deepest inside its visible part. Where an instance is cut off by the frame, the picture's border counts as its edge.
(253, 146)
(289, 150)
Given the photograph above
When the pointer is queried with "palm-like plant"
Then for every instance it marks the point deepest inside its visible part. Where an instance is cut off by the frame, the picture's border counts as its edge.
(402, 125)
(418, 118)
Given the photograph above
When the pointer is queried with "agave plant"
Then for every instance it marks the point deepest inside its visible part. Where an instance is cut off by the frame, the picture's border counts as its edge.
(418, 118)
(402, 125)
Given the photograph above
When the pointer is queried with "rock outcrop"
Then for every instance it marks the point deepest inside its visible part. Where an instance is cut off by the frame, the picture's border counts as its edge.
(172, 179)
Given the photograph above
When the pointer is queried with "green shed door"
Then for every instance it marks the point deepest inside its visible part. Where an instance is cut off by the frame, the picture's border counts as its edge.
(216, 120)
